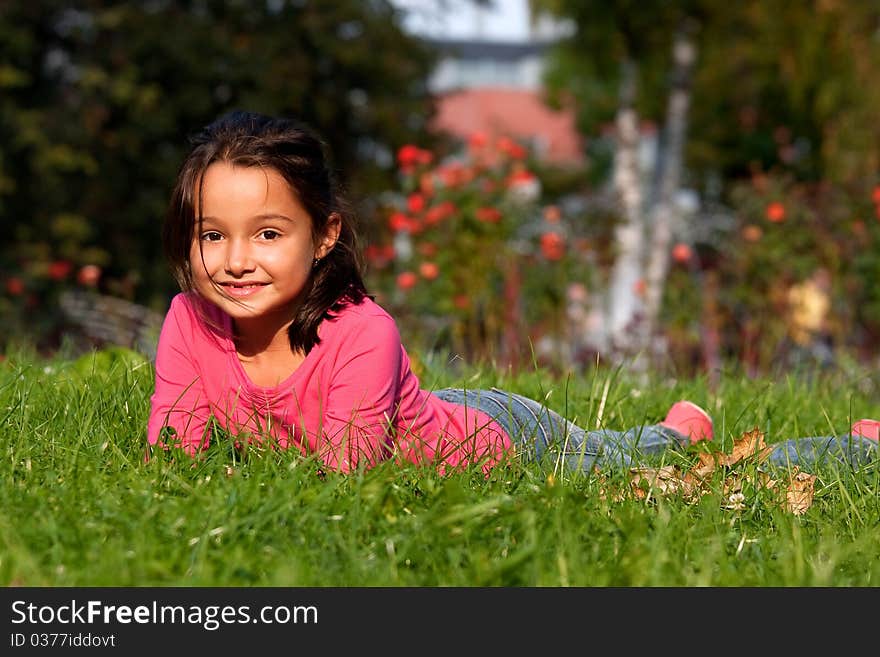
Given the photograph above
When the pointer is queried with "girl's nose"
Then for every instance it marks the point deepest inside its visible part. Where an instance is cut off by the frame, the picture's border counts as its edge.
(238, 258)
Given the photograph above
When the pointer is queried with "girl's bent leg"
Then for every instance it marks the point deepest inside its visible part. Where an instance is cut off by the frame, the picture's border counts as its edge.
(532, 427)
(542, 434)
(638, 445)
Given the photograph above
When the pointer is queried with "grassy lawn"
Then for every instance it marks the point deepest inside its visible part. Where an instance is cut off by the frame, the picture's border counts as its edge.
(80, 507)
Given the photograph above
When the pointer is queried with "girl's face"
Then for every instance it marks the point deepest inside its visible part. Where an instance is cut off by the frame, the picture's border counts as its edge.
(255, 245)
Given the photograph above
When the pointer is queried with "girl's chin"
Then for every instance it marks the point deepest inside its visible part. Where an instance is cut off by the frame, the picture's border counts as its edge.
(243, 305)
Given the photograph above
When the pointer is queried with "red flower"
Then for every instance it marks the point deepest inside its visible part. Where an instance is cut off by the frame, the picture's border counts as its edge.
(521, 177)
(552, 214)
(426, 184)
(399, 222)
(752, 233)
(510, 148)
(429, 270)
(488, 215)
(435, 215)
(428, 249)
(776, 212)
(439, 212)
(379, 256)
(406, 280)
(410, 155)
(682, 253)
(478, 140)
(552, 246)
(407, 157)
(875, 195)
(415, 203)
(461, 301)
(59, 270)
(14, 286)
(455, 174)
(89, 275)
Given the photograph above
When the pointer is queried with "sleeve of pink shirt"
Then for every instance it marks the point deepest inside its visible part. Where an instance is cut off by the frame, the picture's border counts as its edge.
(361, 395)
(179, 400)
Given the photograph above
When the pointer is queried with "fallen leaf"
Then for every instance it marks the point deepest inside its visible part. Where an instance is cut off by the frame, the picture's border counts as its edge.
(799, 496)
(733, 484)
(606, 490)
(666, 480)
(750, 445)
(691, 484)
(707, 465)
(766, 481)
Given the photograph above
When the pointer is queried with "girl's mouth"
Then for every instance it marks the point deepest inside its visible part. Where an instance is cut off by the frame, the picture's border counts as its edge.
(242, 289)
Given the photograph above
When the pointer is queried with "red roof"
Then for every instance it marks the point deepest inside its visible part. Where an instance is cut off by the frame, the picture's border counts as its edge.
(517, 113)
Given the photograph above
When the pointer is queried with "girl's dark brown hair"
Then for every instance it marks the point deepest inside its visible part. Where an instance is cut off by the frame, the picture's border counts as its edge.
(299, 155)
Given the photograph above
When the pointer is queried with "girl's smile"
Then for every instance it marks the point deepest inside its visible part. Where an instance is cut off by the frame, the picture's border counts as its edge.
(242, 289)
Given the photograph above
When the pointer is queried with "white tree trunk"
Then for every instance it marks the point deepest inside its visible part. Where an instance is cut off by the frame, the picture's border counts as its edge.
(665, 209)
(623, 303)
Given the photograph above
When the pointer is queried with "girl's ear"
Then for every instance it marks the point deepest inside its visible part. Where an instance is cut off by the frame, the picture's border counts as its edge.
(331, 234)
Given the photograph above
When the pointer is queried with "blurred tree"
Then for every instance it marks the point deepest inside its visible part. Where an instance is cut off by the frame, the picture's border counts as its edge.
(782, 88)
(618, 62)
(97, 98)
(788, 87)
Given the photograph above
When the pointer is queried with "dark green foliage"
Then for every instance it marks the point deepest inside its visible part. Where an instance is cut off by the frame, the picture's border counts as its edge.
(97, 99)
(777, 86)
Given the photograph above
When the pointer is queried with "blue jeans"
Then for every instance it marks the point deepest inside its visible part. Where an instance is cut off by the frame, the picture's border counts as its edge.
(850, 450)
(539, 433)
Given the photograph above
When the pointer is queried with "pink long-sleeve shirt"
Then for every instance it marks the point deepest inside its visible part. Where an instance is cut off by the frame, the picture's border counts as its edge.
(353, 399)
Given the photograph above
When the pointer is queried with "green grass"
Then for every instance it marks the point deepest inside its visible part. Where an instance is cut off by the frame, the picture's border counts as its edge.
(79, 506)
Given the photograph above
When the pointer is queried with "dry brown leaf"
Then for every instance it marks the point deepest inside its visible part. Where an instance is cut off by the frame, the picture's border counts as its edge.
(733, 484)
(799, 496)
(606, 490)
(666, 480)
(766, 481)
(707, 465)
(750, 445)
(691, 484)
(603, 483)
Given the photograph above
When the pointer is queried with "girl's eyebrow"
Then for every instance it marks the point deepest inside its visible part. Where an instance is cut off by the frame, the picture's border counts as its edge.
(259, 217)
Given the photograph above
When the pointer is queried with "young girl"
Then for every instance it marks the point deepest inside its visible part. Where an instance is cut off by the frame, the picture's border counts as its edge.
(275, 338)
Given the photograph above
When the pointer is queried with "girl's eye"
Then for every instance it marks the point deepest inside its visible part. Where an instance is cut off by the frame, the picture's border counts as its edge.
(211, 236)
(270, 234)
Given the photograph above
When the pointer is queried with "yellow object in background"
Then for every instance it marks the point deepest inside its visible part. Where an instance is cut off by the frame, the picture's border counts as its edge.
(809, 303)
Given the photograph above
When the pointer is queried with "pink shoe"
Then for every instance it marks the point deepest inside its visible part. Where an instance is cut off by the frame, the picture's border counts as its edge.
(690, 420)
(867, 428)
